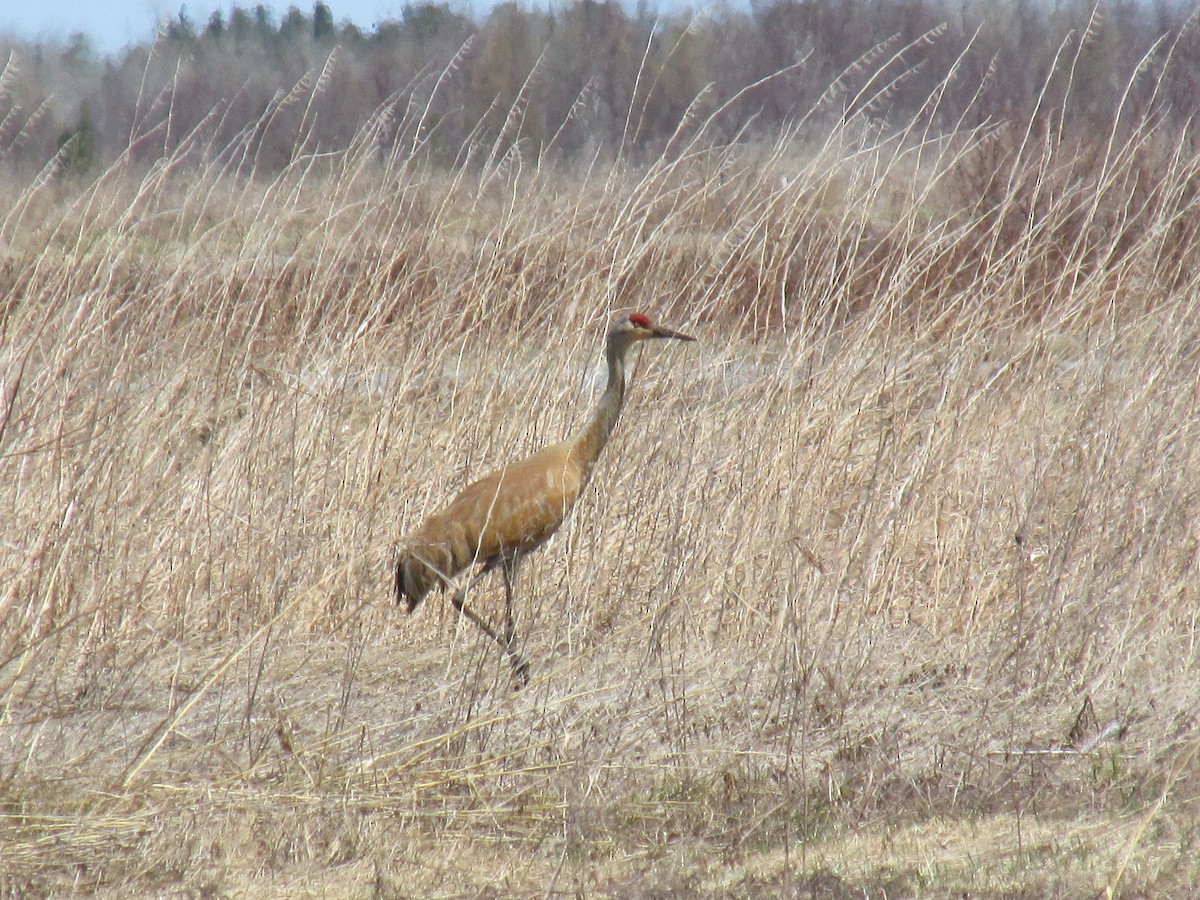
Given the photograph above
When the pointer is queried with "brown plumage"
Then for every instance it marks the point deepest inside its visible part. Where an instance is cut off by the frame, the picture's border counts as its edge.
(502, 517)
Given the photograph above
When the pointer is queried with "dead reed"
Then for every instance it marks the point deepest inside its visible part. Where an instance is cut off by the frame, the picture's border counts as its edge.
(891, 587)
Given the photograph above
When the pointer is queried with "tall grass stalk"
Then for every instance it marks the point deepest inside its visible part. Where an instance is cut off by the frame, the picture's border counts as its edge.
(842, 582)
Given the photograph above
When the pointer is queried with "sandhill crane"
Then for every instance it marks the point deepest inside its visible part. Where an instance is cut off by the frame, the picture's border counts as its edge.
(508, 514)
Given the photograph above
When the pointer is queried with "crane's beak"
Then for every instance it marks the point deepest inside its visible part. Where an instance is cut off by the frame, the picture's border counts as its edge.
(660, 332)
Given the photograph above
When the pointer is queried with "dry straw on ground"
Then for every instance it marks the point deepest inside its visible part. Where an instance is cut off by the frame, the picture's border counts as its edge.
(825, 621)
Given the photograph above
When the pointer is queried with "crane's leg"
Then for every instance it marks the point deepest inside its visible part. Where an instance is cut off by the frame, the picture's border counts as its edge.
(459, 599)
(510, 578)
(520, 666)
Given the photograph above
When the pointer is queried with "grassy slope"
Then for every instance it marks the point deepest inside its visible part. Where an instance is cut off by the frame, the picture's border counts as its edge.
(825, 619)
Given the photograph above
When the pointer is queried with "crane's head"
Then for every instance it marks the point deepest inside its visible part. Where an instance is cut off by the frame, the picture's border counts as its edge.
(640, 328)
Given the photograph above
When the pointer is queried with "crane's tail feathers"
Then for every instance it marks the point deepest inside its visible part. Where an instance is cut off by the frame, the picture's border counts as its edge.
(416, 576)
(402, 593)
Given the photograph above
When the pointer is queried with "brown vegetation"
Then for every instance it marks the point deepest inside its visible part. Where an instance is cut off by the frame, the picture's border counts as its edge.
(890, 587)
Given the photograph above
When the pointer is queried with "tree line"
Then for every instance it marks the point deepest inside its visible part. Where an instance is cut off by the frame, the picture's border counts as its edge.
(588, 77)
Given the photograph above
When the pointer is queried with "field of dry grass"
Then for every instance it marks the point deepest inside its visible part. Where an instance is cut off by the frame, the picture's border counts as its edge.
(888, 587)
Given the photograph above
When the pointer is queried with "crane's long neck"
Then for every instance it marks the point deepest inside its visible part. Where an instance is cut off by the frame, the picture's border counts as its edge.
(587, 446)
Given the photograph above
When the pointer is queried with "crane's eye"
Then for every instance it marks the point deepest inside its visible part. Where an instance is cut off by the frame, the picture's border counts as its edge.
(640, 320)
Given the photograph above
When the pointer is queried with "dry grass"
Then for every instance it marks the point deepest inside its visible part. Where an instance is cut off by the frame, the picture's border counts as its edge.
(822, 625)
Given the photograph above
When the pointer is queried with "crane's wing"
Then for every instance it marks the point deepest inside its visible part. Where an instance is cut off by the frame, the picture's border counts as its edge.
(511, 511)
(517, 508)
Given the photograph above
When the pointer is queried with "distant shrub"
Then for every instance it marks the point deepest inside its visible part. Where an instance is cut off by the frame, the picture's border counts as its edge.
(77, 146)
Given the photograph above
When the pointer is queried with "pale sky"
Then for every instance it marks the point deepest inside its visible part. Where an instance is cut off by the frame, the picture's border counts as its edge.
(113, 24)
